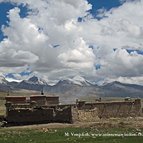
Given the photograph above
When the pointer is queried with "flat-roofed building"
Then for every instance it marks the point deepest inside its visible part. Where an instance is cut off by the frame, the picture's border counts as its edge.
(15, 99)
(39, 99)
(52, 100)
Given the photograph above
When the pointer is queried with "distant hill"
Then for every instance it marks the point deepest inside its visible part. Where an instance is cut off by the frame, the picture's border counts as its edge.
(117, 89)
(4, 85)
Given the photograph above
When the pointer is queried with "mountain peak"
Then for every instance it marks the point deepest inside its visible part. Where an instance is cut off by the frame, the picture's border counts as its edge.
(36, 80)
(33, 79)
(112, 84)
(3, 80)
(77, 80)
(115, 82)
(64, 82)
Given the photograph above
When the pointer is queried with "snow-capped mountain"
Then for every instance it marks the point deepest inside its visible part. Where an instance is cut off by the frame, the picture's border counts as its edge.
(71, 89)
(36, 80)
(3, 80)
(33, 83)
(69, 84)
(75, 87)
(78, 80)
(4, 84)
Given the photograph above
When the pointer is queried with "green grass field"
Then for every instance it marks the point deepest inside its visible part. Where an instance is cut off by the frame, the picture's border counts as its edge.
(45, 135)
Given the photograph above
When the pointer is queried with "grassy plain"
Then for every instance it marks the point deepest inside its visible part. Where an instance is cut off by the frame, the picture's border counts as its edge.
(46, 135)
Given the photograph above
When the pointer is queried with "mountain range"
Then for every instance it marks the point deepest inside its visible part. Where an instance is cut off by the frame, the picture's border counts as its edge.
(74, 88)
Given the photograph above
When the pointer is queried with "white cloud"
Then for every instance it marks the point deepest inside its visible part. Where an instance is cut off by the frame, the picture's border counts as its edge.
(121, 63)
(31, 40)
(49, 23)
(80, 54)
(122, 28)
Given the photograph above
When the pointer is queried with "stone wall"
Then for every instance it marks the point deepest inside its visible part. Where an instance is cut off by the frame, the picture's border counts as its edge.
(114, 109)
(85, 115)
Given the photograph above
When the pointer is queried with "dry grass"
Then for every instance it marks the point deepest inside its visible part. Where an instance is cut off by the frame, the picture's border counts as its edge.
(2, 107)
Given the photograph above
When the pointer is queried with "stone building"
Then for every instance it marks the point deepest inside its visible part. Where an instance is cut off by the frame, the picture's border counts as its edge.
(16, 99)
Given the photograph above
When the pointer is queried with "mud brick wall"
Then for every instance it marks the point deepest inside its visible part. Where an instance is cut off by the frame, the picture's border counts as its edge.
(63, 114)
(29, 116)
(15, 99)
(39, 99)
(115, 109)
(52, 100)
(60, 114)
(1, 118)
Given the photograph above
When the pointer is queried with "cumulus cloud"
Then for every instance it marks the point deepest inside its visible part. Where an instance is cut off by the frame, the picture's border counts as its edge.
(11, 58)
(30, 40)
(52, 42)
(120, 29)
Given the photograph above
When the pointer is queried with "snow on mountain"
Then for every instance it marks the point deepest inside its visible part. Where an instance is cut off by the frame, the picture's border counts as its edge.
(4, 84)
(36, 80)
(33, 83)
(3, 80)
(78, 80)
(13, 80)
(75, 87)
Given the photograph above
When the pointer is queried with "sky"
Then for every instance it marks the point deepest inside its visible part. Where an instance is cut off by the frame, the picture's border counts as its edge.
(99, 40)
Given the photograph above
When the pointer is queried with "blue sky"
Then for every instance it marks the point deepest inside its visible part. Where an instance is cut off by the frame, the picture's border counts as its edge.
(4, 8)
(107, 4)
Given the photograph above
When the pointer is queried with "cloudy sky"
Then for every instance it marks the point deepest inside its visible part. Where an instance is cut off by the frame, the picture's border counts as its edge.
(100, 40)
